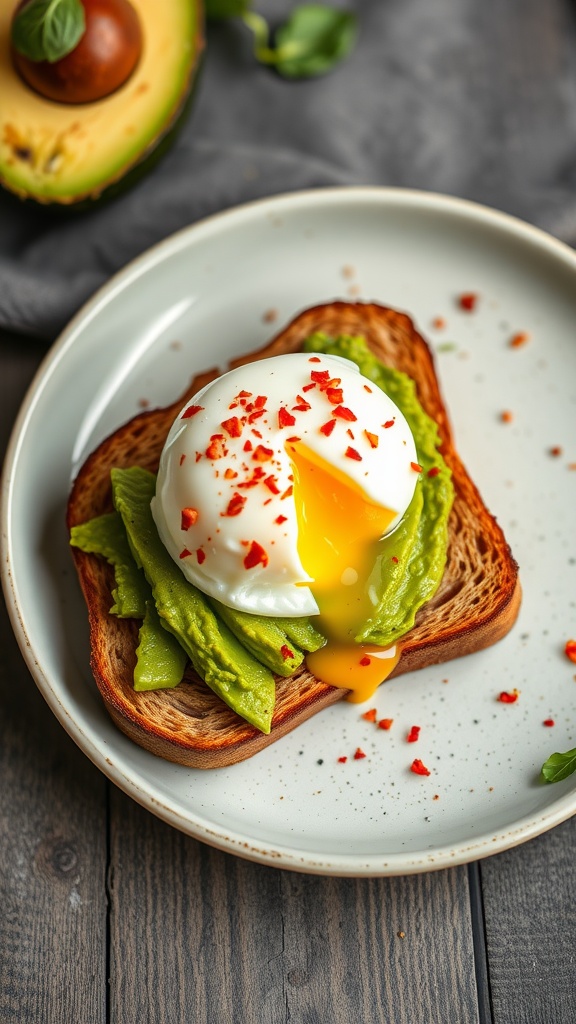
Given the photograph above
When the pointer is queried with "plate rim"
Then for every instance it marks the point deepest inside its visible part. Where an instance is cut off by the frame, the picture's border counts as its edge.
(343, 865)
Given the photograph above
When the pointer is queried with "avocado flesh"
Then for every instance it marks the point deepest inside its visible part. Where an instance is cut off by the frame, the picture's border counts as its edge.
(160, 658)
(217, 656)
(61, 154)
(106, 536)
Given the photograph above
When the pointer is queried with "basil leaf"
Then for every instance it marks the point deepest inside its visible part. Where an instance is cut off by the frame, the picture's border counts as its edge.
(48, 29)
(559, 766)
(313, 40)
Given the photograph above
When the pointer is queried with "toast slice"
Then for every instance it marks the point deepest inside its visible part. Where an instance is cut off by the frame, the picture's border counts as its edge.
(476, 604)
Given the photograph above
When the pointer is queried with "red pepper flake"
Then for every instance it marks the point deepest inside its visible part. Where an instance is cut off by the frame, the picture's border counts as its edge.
(351, 453)
(244, 394)
(556, 451)
(320, 376)
(287, 493)
(262, 454)
(508, 698)
(285, 418)
(385, 723)
(344, 414)
(549, 722)
(200, 556)
(281, 519)
(327, 428)
(335, 395)
(570, 650)
(271, 484)
(342, 760)
(260, 401)
(302, 405)
(308, 387)
(184, 553)
(217, 448)
(388, 424)
(188, 518)
(248, 446)
(395, 559)
(369, 716)
(314, 359)
(293, 440)
(256, 556)
(191, 411)
(233, 426)
(286, 652)
(359, 754)
(506, 416)
(468, 301)
(350, 434)
(433, 471)
(413, 734)
(372, 439)
(418, 768)
(364, 662)
(182, 457)
(366, 388)
(256, 415)
(416, 467)
(230, 474)
(517, 340)
(235, 505)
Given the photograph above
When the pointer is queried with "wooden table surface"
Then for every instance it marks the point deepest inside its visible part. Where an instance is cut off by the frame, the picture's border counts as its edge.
(109, 916)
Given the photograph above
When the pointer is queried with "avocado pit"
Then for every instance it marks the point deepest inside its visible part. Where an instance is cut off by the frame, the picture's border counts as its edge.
(103, 60)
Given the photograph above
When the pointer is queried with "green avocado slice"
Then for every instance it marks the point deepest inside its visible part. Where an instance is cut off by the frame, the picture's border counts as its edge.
(106, 536)
(218, 657)
(160, 658)
(263, 637)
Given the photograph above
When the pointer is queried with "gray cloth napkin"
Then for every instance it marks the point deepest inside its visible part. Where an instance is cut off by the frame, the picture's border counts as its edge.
(432, 97)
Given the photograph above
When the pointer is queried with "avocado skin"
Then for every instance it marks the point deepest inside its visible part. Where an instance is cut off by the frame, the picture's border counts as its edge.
(216, 655)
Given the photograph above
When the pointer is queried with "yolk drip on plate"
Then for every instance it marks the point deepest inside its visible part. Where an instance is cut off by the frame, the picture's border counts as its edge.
(338, 534)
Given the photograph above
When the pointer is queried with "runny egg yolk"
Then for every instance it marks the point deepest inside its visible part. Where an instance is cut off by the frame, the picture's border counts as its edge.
(339, 530)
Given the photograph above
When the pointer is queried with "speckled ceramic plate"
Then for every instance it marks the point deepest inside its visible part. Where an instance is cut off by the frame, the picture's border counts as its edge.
(221, 288)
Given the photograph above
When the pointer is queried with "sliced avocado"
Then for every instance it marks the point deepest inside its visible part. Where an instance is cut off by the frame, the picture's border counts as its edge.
(160, 658)
(264, 639)
(57, 153)
(106, 536)
(228, 669)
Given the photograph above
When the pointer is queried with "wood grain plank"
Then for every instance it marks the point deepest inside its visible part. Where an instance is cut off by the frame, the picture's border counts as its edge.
(52, 826)
(528, 898)
(198, 935)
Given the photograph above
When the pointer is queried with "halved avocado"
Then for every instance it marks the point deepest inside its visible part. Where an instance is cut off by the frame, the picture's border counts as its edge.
(65, 154)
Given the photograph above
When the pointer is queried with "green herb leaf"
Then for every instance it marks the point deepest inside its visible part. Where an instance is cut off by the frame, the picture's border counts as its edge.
(313, 40)
(217, 9)
(48, 29)
(559, 766)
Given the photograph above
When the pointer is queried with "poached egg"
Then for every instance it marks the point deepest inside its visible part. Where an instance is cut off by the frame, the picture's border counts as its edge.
(276, 484)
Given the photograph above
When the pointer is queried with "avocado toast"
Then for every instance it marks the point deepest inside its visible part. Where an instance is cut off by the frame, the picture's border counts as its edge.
(475, 604)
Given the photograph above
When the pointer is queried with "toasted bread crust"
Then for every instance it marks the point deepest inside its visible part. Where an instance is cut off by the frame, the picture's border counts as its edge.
(476, 604)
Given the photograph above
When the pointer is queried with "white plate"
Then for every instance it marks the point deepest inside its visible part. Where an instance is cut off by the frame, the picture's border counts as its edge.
(200, 297)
